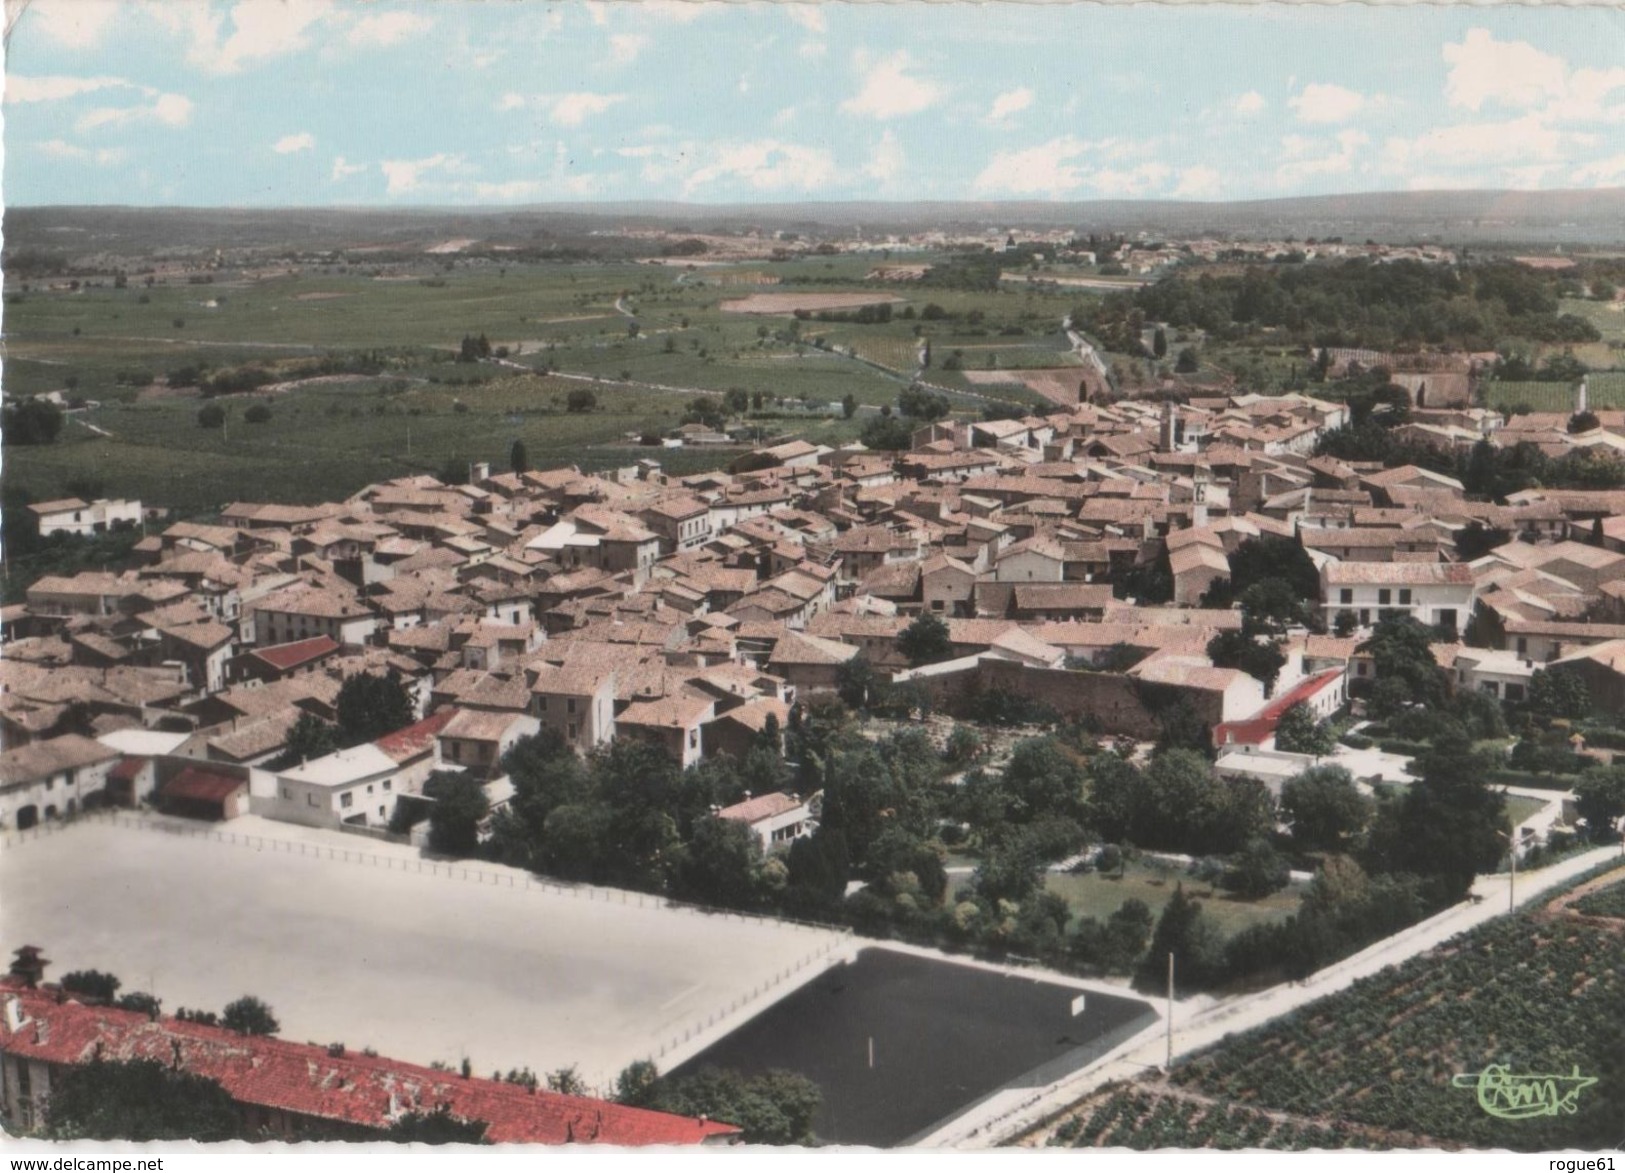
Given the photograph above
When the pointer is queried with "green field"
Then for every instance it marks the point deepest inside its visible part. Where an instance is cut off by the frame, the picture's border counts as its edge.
(1376, 1065)
(1092, 894)
(654, 333)
(1604, 389)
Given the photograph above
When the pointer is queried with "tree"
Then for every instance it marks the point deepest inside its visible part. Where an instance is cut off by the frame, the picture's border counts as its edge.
(518, 460)
(1159, 344)
(437, 1127)
(460, 806)
(720, 865)
(1325, 808)
(566, 1081)
(140, 1101)
(309, 738)
(775, 1108)
(1298, 731)
(858, 684)
(580, 400)
(1262, 661)
(1450, 823)
(1188, 362)
(91, 984)
(1273, 560)
(849, 406)
(371, 706)
(1257, 871)
(259, 413)
(1600, 799)
(635, 1085)
(925, 641)
(886, 433)
(31, 421)
(1558, 693)
(1183, 931)
(211, 415)
(1401, 649)
(249, 1016)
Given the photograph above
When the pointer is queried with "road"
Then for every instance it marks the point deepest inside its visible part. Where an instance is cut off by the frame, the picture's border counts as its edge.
(1198, 1023)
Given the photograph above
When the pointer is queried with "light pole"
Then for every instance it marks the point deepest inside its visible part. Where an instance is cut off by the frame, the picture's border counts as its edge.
(1512, 878)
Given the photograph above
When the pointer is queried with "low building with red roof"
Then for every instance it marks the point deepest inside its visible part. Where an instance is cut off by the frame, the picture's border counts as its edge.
(289, 1090)
(1324, 692)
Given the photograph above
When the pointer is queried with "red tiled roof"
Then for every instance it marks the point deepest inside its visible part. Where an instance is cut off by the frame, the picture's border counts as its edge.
(1258, 728)
(288, 656)
(202, 785)
(126, 770)
(415, 739)
(307, 1080)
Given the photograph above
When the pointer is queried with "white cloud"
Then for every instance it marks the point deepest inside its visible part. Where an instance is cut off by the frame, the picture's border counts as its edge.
(58, 149)
(1307, 158)
(785, 116)
(513, 189)
(574, 109)
(1138, 181)
(343, 170)
(625, 47)
(677, 11)
(1010, 102)
(260, 30)
(889, 90)
(173, 110)
(511, 101)
(1601, 173)
(1197, 183)
(76, 24)
(1326, 103)
(812, 50)
(886, 161)
(1047, 169)
(1512, 73)
(289, 143)
(1520, 141)
(56, 89)
(1252, 102)
(388, 28)
(404, 175)
(808, 16)
(767, 165)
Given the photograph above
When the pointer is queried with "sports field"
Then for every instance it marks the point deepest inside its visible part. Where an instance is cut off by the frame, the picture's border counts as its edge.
(944, 1036)
(418, 964)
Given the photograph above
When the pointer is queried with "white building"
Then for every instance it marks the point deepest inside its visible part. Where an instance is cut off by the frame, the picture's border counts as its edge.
(52, 779)
(358, 786)
(1438, 594)
(773, 818)
(73, 516)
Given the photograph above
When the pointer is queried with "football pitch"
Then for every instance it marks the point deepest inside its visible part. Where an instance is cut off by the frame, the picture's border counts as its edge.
(361, 942)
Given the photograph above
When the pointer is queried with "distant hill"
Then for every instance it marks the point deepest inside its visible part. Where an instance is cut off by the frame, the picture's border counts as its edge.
(1489, 218)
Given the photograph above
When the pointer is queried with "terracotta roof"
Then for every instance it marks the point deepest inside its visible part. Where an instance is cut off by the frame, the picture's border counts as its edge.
(405, 744)
(291, 655)
(201, 785)
(1400, 573)
(754, 810)
(309, 1081)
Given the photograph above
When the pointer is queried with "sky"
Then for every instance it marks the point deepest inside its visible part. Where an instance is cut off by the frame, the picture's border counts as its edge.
(493, 102)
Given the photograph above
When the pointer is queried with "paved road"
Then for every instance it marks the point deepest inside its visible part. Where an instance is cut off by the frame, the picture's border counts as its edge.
(1199, 1022)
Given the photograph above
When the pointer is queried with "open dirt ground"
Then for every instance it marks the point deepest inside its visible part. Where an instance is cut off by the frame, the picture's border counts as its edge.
(420, 965)
(788, 303)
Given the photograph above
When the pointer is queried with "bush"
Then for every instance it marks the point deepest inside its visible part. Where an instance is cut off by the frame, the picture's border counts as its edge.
(258, 414)
(1357, 741)
(211, 415)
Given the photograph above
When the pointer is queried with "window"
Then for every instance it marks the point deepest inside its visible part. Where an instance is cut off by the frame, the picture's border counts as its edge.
(380, 812)
(693, 738)
(1346, 595)
(346, 799)
(572, 730)
(1405, 596)
(456, 751)
(388, 784)
(369, 787)
(1384, 597)
(286, 793)
(310, 800)
(570, 705)
(541, 704)
(1523, 645)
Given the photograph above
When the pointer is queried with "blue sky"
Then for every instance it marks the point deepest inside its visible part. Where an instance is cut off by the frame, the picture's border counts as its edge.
(329, 102)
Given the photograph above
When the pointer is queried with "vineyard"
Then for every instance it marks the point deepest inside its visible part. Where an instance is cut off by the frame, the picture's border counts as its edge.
(1541, 993)
(1604, 389)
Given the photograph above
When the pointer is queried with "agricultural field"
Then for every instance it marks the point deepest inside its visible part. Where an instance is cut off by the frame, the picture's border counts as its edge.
(1377, 1065)
(1609, 318)
(644, 337)
(1604, 389)
(1097, 895)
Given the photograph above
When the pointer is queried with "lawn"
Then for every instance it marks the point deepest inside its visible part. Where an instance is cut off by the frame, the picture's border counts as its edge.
(1092, 894)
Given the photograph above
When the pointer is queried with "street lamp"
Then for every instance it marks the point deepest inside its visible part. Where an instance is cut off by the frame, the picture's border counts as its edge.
(1512, 879)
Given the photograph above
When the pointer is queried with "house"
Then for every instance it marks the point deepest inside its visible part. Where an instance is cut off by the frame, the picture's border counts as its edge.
(304, 611)
(73, 516)
(287, 1090)
(1438, 594)
(357, 786)
(204, 648)
(810, 663)
(775, 819)
(947, 585)
(475, 740)
(47, 780)
(280, 661)
(1602, 667)
(1324, 693)
(213, 793)
(1197, 566)
(674, 722)
(576, 701)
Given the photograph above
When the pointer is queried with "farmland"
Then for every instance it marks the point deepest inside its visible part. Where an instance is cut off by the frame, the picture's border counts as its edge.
(1605, 389)
(644, 338)
(1540, 993)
